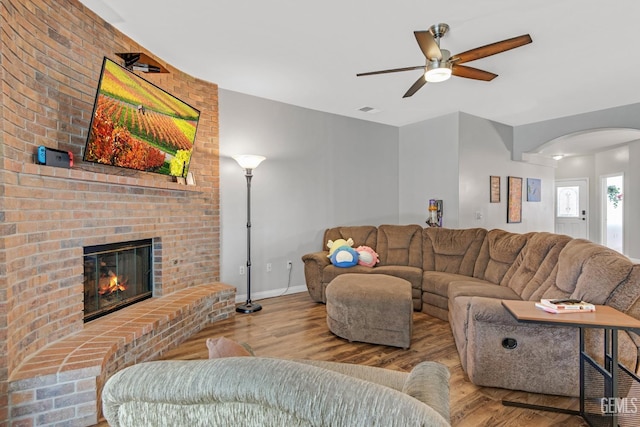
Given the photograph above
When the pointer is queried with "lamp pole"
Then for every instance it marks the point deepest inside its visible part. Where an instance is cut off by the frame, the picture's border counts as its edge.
(248, 163)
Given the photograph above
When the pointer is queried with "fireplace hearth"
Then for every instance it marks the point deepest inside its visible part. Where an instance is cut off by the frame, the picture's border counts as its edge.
(116, 275)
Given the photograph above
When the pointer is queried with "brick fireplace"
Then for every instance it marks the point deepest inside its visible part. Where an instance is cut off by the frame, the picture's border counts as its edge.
(52, 52)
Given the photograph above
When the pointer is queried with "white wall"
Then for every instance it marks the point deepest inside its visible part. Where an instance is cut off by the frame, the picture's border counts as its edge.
(322, 170)
(594, 166)
(632, 202)
(610, 162)
(429, 169)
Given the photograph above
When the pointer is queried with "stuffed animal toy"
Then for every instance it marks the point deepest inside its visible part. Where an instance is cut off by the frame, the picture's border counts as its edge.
(367, 256)
(333, 246)
(344, 256)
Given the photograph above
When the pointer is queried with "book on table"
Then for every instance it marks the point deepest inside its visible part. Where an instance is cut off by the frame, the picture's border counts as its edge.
(565, 305)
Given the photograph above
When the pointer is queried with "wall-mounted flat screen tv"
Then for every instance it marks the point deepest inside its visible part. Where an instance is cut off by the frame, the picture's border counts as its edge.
(137, 125)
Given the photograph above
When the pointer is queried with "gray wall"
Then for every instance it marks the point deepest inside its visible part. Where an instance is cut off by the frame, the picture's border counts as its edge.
(321, 170)
(429, 169)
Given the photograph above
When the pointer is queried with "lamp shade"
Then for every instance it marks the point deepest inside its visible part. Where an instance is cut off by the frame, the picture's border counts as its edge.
(248, 161)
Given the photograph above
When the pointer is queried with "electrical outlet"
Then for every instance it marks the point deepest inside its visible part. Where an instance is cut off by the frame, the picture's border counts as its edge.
(268, 267)
(242, 270)
(289, 264)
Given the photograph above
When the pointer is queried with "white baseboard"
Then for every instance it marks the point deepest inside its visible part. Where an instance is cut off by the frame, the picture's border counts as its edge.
(255, 296)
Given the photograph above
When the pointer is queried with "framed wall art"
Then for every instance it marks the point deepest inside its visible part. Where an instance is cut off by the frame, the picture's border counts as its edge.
(494, 189)
(514, 199)
(534, 188)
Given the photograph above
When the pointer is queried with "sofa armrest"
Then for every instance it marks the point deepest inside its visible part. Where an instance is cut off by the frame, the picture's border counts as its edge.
(490, 310)
(314, 264)
(429, 383)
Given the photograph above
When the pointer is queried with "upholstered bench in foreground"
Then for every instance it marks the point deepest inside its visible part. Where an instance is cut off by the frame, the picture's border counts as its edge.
(372, 308)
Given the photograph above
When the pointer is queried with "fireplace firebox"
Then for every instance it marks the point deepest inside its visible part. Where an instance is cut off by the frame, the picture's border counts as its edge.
(116, 275)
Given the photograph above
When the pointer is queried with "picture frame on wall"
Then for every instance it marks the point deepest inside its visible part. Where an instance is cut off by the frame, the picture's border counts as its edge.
(534, 189)
(494, 189)
(514, 199)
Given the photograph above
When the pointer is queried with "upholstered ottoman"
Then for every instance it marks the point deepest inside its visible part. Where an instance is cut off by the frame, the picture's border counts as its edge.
(372, 308)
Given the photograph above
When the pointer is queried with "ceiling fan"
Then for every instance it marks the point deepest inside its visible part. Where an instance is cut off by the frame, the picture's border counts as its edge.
(441, 64)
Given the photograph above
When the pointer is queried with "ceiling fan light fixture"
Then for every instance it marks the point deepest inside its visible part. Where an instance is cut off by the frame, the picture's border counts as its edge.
(437, 71)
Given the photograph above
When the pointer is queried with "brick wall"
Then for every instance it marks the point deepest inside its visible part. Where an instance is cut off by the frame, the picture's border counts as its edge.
(50, 63)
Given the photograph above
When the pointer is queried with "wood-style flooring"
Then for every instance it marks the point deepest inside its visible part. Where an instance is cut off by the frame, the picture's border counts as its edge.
(293, 326)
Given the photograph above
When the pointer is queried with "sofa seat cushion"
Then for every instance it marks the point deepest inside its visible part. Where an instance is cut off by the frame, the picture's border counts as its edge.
(412, 275)
(437, 282)
(480, 289)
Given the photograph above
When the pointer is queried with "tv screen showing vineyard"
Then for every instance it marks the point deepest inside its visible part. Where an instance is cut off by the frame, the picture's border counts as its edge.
(137, 125)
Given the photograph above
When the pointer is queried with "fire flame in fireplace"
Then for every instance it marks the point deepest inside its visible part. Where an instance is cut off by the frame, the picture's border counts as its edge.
(111, 284)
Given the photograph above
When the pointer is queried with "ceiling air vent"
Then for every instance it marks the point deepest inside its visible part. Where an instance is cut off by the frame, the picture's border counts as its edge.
(369, 110)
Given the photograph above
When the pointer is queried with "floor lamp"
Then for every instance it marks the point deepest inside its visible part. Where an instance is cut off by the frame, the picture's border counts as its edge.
(248, 162)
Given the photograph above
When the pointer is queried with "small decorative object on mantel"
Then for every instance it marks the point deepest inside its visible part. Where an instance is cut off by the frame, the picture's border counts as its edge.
(534, 189)
(494, 188)
(191, 179)
(514, 199)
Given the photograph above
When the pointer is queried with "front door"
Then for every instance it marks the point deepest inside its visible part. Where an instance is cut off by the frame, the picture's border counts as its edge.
(572, 199)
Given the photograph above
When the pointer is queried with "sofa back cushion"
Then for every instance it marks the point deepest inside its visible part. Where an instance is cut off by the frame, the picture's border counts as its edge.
(451, 251)
(626, 296)
(400, 245)
(531, 272)
(589, 271)
(362, 235)
(499, 251)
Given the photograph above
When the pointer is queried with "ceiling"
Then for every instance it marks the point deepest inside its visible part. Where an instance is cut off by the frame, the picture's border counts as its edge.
(583, 56)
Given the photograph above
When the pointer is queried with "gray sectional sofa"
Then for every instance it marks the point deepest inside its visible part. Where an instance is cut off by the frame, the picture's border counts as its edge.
(462, 275)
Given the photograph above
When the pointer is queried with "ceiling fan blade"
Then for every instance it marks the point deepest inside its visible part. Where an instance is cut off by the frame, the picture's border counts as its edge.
(472, 73)
(415, 87)
(491, 49)
(393, 70)
(428, 45)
